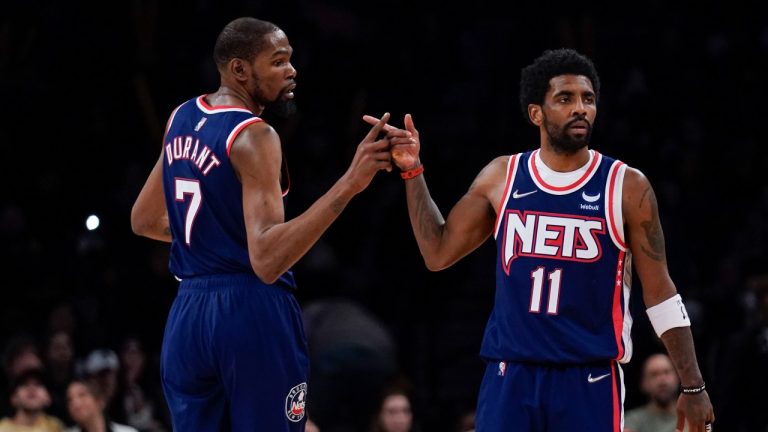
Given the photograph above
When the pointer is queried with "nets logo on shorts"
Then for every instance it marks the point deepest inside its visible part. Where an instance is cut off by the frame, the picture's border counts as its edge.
(295, 402)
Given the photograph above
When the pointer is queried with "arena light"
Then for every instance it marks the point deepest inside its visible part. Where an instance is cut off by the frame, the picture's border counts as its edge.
(92, 222)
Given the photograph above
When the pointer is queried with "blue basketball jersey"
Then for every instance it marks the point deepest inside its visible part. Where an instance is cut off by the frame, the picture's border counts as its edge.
(563, 270)
(202, 192)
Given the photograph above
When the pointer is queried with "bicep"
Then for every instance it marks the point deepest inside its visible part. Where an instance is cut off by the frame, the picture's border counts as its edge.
(257, 158)
(646, 238)
(471, 220)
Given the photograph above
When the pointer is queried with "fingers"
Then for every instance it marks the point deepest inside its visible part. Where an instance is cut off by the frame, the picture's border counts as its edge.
(376, 129)
(680, 422)
(409, 125)
(371, 120)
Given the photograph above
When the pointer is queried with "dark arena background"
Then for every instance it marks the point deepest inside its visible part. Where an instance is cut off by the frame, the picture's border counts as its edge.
(87, 89)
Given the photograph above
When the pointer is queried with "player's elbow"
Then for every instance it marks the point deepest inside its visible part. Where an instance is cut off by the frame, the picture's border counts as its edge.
(435, 264)
(139, 225)
(265, 270)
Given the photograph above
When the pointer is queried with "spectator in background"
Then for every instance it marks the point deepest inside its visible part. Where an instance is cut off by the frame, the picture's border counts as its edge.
(137, 402)
(352, 356)
(29, 398)
(60, 368)
(395, 413)
(661, 384)
(21, 353)
(86, 403)
(102, 366)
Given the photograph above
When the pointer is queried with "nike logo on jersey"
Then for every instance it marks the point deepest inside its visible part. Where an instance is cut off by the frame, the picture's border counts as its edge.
(590, 198)
(597, 378)
(517, 195)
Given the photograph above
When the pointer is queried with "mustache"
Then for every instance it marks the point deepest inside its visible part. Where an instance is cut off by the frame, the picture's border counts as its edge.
(579, 119)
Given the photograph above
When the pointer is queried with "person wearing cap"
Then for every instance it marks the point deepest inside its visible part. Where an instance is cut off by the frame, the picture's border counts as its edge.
(86, 403)
(102, 366)
(29, 398)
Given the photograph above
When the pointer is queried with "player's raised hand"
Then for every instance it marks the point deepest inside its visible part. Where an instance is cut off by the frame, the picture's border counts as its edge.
(372, 155)
(405, 144)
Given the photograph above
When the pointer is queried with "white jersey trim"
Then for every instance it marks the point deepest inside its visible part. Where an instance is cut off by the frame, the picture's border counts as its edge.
(626, 332)
(613, 205)
(239, 128)
(571, 181)
(512, 164)
(170, 121)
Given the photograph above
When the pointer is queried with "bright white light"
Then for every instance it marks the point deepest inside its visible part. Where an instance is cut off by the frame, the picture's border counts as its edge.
(92, 222)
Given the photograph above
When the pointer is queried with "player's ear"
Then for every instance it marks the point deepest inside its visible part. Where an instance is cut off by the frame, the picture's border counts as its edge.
(238, 68)
(535, 114)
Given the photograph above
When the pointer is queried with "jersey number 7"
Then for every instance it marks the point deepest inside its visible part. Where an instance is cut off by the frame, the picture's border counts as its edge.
(186, 187)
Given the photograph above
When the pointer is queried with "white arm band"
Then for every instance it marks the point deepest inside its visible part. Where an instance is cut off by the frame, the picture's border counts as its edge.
(668, 314)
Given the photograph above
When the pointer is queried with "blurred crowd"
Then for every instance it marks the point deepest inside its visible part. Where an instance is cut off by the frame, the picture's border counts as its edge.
(88, 89)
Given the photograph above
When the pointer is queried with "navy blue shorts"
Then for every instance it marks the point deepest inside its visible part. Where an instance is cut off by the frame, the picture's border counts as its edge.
(534, 398)
(234, 357)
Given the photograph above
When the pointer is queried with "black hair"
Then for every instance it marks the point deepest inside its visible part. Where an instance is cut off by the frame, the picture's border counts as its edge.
(242, 38)
(534, 78)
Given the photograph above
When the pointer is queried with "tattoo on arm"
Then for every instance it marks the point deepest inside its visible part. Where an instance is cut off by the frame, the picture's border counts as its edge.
(653, 233)
(426, 214)
(167, 230)
(337, 206)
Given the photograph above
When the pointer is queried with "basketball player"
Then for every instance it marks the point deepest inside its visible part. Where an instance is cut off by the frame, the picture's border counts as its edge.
(234, 355)
(569, 224)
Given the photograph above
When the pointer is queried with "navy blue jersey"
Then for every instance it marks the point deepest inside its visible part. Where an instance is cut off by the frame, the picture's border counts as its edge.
(563, 270)
(202, 192)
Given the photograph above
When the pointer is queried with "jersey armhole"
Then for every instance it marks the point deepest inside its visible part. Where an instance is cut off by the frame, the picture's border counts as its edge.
(239, 128)
(511, 171)
(613, 209)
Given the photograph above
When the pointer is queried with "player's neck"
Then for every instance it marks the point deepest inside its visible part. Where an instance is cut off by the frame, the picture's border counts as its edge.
(230, 96)
(564, 162)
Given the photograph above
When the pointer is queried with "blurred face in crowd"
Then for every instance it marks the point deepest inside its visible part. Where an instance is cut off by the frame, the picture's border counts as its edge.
(31, 396)
(660, 380)
(60, 350)
(132, 359)
(395, 415)
(82, 403)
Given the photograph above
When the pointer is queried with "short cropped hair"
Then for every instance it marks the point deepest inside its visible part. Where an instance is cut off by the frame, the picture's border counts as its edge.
(242, 38)
(534, 78)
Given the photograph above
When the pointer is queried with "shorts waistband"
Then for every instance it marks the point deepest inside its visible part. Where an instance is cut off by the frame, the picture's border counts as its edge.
(226, 281)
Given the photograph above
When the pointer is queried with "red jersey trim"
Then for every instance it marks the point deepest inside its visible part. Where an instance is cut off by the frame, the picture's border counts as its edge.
(204, 107)
(511, 171)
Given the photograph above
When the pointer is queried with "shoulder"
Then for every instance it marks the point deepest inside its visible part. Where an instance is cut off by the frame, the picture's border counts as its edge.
(636, 186)
(258, 136)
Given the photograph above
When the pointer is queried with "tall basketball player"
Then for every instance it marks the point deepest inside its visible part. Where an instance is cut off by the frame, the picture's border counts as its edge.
(569, 223)
(234, 355)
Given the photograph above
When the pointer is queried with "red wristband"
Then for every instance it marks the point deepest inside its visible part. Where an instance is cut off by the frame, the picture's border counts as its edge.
(407, 175)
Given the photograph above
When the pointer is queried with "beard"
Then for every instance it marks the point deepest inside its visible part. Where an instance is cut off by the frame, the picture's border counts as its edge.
(562, 141)
(282, 108)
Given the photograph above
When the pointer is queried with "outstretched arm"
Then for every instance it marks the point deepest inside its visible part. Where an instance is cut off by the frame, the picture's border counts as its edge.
(441, 241)
(646, 240)
(149, 217)
(275, 245)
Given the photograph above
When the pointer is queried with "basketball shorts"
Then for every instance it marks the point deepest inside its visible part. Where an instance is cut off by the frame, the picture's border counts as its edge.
(529, 397)
(234, 357)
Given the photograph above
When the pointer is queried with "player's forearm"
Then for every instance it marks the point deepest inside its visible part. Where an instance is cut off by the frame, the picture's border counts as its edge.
(273, 251)
(679, 344)
(427, 222)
